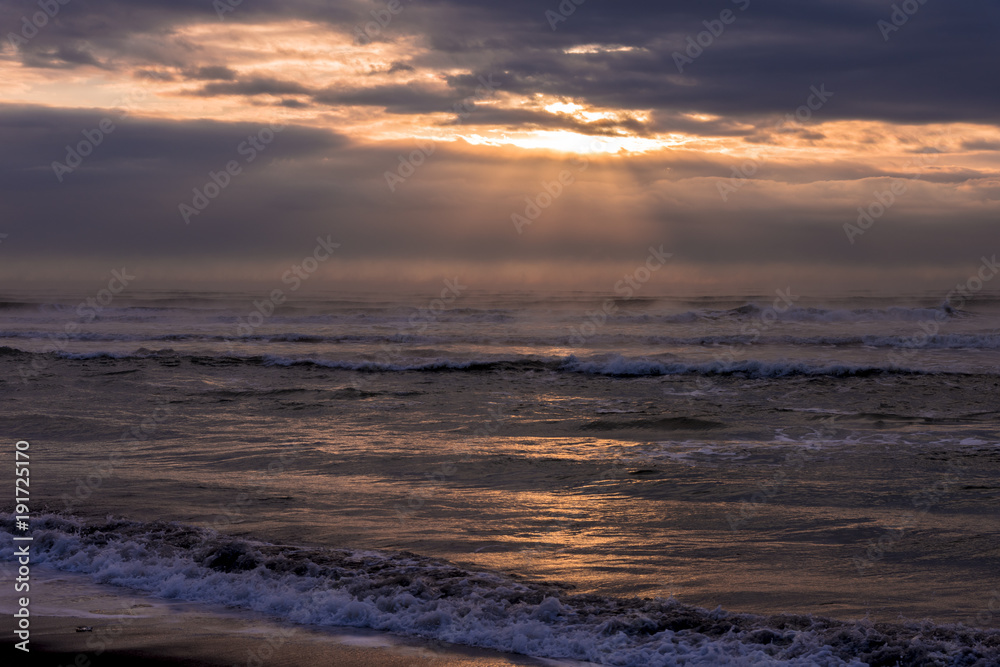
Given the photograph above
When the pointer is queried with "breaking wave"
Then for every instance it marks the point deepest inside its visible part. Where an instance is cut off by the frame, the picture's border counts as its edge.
(412, 595)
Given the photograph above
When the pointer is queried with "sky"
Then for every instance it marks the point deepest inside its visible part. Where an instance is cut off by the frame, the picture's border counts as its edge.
(848, 145)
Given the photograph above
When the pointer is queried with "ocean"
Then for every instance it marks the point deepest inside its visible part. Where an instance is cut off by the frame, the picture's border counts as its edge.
(728, 479)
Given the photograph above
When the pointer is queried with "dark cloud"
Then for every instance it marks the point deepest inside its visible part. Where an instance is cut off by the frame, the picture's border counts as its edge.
(64, 57)
(213, 73)
(124, 195)
(123, 198)
(531, 119)
(293, 104)
(154, 75)
(399, 67)
(933, 69)
(936, 67)
(394, 98)
(979, 145)
(123, 201)
(667, 121)
(252, 86)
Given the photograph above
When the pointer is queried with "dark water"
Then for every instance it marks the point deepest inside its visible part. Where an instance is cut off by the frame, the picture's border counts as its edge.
(834, 458)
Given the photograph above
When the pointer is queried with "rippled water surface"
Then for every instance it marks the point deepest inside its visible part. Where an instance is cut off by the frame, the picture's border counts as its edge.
(835, 457)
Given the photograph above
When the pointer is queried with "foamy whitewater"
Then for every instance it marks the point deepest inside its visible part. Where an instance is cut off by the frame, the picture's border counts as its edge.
(531, 473)
(410, 595)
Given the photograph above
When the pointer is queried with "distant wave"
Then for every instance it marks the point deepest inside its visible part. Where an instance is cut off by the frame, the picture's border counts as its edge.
(985, 341)
(17, 305)
(964, 341)
(625, 367)
(616, 366)
(408, 594)
(753, 311)
(417, 313)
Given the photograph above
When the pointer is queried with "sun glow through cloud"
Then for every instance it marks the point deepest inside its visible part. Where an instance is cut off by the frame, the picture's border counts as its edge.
(575, 142)
(600, 48)
(667, 136)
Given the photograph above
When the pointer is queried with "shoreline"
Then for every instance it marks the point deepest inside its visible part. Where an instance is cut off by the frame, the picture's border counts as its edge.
(130, 627)
(207, 640)
(123, 626)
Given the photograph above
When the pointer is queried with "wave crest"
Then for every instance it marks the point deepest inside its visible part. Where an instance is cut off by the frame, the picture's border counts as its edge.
(412, 595)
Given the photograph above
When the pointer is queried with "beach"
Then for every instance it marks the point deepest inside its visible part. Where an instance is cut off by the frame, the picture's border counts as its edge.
(124, 629)
(695, 482)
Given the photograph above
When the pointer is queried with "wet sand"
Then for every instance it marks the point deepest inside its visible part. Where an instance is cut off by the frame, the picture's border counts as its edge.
(130, 630)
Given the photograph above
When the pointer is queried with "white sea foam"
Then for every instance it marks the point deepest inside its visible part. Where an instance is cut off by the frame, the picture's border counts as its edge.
(411, 595)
